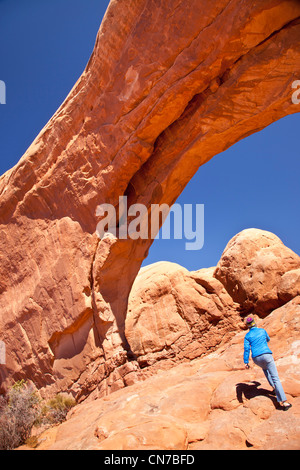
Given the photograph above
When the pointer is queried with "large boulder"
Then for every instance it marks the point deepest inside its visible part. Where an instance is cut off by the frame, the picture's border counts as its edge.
(176, 315)
(259, 271)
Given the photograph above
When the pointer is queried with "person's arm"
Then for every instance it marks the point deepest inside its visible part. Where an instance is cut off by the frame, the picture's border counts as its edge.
(267, 336)
(246, 351)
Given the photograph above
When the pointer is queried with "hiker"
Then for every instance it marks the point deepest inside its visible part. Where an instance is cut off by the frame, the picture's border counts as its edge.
(257, 340)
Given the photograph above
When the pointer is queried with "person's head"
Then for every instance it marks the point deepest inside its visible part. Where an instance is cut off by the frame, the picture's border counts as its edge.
(250, 322)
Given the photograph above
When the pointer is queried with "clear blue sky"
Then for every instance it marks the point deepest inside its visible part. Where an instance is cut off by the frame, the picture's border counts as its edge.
(45, 46)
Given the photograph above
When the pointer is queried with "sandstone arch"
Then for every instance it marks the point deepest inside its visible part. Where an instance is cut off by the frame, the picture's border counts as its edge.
(168, 86)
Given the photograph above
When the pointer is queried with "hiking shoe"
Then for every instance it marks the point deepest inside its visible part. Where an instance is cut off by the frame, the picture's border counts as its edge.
(286, 406)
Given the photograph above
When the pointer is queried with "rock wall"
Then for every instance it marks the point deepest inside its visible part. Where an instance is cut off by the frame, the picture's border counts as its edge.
(168, 86)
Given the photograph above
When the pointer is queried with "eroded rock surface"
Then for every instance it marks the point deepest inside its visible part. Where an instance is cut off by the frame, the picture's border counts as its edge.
(168, 86)
(258, 271)
(206, 403)
(175, 315)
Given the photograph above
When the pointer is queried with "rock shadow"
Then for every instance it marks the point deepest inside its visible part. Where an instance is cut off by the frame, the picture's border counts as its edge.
(250, 390)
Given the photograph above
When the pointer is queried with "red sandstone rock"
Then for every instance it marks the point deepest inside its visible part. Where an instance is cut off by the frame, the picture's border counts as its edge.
(167, 87)
(289, 286)
(207, 403)
(176, 315)
(258, 271)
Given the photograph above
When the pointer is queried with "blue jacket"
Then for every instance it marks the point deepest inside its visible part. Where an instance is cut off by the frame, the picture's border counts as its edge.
(256, 340)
